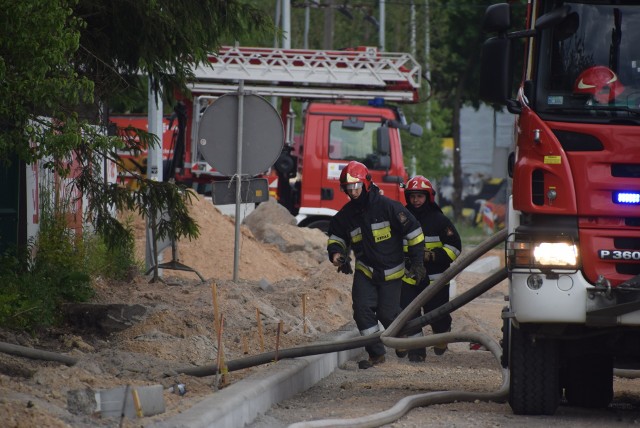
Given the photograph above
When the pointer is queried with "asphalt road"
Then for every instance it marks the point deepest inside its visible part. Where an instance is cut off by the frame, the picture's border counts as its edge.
(353, 393)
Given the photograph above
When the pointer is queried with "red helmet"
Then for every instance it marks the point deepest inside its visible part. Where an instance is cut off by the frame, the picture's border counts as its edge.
(355, 172)
(419, 184)
(600, 82)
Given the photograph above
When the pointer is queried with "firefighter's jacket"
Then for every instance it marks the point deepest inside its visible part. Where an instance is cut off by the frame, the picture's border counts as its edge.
(375, 229)
(440, 237)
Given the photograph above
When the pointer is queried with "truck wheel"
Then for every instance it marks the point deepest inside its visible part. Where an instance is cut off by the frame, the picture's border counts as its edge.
(535, 375)
(589, 381)
(323, 225)
(506, 327)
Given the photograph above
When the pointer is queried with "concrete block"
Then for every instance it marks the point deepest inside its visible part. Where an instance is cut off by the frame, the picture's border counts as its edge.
(112, 402)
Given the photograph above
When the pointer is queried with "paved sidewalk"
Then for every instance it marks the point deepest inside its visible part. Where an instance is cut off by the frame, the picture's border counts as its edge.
(240, 403)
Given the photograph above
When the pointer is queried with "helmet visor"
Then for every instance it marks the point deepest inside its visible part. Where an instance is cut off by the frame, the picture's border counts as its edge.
(352, 186)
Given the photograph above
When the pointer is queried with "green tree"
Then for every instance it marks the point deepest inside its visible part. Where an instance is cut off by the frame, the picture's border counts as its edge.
(457, 38)
(62, 61)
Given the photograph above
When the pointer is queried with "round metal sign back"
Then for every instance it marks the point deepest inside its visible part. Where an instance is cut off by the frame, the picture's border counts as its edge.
(262, 135)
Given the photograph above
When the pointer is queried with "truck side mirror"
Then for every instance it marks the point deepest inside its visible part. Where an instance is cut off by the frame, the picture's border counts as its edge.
(496, 62)
(415, 130)
(497, 18)
(382, 139)
(496, 75)
(384, 162)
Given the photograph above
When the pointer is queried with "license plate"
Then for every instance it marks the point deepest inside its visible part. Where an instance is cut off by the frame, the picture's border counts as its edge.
(619, 255)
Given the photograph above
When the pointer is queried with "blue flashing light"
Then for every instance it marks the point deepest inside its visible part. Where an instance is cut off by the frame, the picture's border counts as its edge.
(626, 198)
(376, 102)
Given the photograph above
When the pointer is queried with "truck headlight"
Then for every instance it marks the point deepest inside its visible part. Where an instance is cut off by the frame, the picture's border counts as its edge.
(555, 254)
(542, 255)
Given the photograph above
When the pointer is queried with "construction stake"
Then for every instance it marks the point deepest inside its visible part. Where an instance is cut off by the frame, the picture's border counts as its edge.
(222, 369)
(304, 313)
(278, 339)
(245, 345)
(136, 403)
(260, 330)
(216, 313)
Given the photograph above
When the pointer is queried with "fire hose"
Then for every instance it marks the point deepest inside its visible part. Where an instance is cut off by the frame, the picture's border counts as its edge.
(397, 328)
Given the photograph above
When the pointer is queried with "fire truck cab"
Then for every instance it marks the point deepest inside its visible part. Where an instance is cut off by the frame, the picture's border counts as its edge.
(573, 216)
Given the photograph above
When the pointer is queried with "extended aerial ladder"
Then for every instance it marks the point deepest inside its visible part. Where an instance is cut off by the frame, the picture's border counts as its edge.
(359, 74)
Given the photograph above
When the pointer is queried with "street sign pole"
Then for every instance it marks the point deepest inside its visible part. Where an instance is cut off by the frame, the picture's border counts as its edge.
(236, 247)
(235, 146)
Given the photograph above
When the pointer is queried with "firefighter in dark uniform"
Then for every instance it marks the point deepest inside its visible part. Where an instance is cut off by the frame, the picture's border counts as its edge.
(442, 246)
(374, 227)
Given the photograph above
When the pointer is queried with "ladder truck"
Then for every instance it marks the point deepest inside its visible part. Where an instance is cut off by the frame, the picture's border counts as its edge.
(345, 117)
(573, 214)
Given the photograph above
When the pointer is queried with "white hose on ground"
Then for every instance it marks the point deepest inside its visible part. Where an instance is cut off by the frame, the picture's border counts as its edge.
(420, 400)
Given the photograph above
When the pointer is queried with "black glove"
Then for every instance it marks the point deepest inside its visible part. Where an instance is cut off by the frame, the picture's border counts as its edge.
(417, 272)
(429, 256)
(345, 265)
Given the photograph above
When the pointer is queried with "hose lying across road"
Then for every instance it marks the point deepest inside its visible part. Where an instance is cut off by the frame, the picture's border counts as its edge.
(342, 345)
(403, 325)
(388, 337)
(429, 398)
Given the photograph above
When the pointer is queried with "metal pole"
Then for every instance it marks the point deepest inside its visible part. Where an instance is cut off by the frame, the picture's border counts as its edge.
(154, 168)
(412, 36)
(427, 67)
(307, 18)
(236, 246)
(381, 34)
(286, 24)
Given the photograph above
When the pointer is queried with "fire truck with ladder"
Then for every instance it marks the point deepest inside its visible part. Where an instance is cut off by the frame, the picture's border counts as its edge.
(573, 213)
(305, 176)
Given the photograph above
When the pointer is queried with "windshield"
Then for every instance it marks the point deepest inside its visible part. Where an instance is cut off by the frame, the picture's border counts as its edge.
(589, 65)
(355, 144)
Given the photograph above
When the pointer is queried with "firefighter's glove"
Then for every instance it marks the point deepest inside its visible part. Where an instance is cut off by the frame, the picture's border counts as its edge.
(345, 265)
(417, 272)
(429, 256)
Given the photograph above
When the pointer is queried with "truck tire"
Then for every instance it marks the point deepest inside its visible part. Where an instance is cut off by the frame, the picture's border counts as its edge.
(589, 381)
(504, 342)
(535, 375)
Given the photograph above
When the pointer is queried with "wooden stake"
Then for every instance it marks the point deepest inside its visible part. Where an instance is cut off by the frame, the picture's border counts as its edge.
(245, 345)
(304, 313)
(136, 403)
(222, 369)
(260, 330)
(278, 338)
(216, 313)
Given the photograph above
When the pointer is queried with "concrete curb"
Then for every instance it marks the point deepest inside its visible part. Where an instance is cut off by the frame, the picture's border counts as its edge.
(241, 403)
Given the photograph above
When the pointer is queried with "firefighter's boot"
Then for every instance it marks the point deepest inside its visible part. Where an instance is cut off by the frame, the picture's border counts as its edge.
(417, 355)
(372, 361)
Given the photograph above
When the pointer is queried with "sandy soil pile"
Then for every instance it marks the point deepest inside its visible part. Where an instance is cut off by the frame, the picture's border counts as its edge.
(177, 328)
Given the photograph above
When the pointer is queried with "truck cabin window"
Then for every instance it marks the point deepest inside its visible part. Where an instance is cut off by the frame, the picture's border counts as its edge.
(587, 69)
(351, 144)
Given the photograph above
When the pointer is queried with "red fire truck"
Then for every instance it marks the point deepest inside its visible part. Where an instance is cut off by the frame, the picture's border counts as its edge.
(573, 215)
(305, 177)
